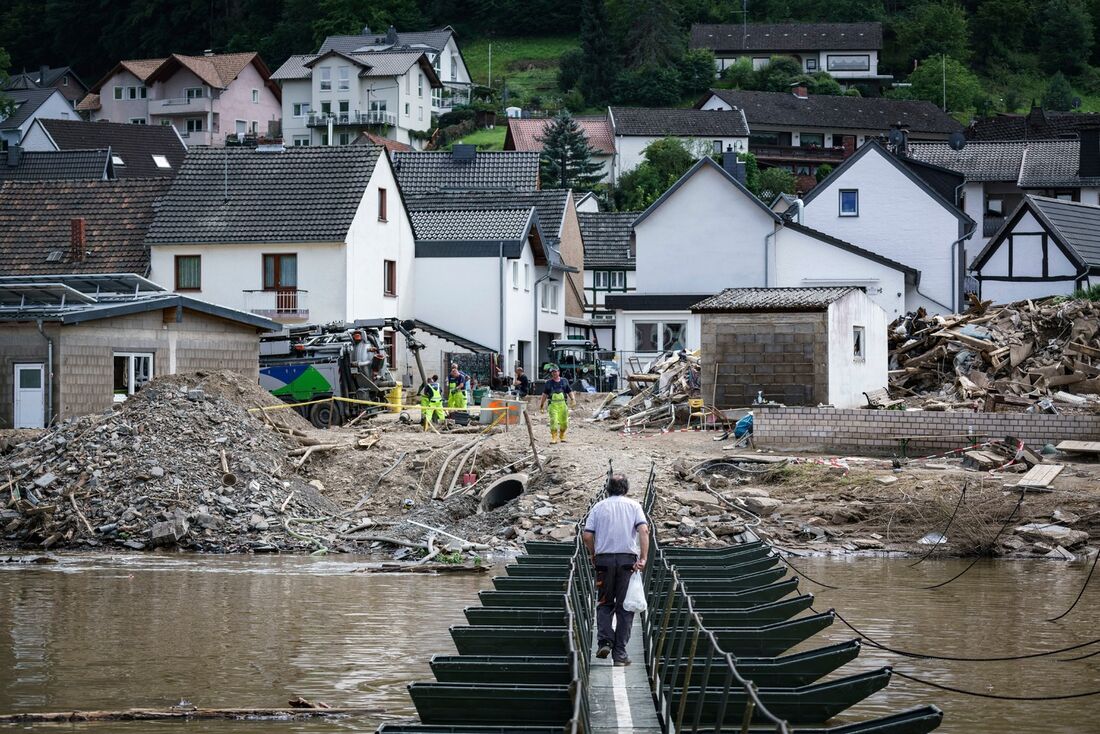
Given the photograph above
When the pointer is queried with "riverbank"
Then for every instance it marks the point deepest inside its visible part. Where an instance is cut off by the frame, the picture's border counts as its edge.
(193, 462)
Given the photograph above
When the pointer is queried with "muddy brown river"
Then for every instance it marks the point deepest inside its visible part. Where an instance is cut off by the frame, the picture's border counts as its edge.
(113, 632)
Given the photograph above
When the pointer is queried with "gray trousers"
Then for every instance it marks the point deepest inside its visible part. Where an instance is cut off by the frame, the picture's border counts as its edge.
(613, 572)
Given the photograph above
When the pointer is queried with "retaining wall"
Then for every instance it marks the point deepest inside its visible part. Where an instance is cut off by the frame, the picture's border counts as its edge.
(878, 431)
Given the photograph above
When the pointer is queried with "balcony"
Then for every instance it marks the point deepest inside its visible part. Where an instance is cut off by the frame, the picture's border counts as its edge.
(352, 119)
(286, 306)
(797, 154)
(180, 106)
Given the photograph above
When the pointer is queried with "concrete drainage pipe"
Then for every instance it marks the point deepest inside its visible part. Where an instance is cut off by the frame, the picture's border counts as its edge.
(502, 491)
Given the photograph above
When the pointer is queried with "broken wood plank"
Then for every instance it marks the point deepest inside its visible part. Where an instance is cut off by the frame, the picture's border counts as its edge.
(1040, 476)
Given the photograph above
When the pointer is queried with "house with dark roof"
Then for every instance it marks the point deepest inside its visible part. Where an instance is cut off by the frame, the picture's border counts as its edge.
(526, 133)
(1036, 124)
(137, 151)
(207, 99)
(30, 105)
(335, 95)
(1046, 247)
(608, 266)
(801, 131)
(72, 344)
(795, 346)
(847, 51)
(705, 132)
(708, 233)
(466, 169)
(62, 78)
(901, 209)
(55, 165)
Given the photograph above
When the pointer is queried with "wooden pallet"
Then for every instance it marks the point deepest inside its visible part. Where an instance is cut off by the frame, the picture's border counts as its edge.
(1040, 476)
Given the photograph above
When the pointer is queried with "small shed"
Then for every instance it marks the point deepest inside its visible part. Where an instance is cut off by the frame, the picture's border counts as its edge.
(796, 346)
(77, 344)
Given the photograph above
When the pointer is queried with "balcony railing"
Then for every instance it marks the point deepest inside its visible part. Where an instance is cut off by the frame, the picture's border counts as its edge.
(339, 119)
(285, 305)
(797, 153)
(179, 105)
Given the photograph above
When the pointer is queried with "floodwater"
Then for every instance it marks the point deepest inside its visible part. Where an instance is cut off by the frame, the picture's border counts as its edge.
(114, 632)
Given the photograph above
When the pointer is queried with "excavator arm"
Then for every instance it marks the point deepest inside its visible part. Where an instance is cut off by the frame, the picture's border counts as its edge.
(405, 328)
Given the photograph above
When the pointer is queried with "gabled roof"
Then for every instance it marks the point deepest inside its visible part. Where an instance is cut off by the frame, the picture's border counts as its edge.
(35, 219)
(215, 70)
(27, 102)
(134, 145)
(141, 68)
(294, 68)
(1037, 164)
(39, 79)
(735, 300)
(377, 64)
(479, 225)
(89, 103)
(393, 146)
(239, 195)
(435, 40)
(1075, 226)
(908, 172)
(607, 237)
(787, 36)
(664, 121)
(524, 133)
(1038, 124)
(58, 165)
(550, 204)
(1053, 163)
(876, 114)
(706, 161)
(427, 171)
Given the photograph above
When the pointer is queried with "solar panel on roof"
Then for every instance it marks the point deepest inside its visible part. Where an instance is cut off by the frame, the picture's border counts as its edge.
(40, 294)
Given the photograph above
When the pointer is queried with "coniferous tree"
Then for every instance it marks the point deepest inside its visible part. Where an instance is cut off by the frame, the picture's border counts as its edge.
(566, 160)
(597, 76)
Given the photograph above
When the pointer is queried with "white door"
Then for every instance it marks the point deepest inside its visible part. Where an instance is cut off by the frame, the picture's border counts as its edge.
(30, 396)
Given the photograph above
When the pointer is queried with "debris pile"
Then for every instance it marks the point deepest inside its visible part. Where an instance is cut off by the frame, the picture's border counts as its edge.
(1034, 355)
(655, 395)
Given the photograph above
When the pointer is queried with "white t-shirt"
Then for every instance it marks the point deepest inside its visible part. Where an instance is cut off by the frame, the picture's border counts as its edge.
(615, 521)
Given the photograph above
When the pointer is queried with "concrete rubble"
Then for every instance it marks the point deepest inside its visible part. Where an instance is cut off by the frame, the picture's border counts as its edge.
(657, 394)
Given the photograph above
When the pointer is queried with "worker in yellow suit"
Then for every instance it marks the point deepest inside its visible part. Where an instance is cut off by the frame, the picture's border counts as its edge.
(456, 388)
(431, 402)
(557, 392)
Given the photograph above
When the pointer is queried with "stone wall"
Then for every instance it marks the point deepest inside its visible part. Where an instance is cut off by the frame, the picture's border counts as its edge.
(782, 354)
(879, 431)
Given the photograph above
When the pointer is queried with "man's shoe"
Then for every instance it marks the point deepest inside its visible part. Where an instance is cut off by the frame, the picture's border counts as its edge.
(553, 437)
(561, 437)
(604, 651)
(622, 663)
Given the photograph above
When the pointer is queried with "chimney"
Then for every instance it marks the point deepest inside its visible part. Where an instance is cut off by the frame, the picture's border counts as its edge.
(208, 52)
(391, 36)
(366, 30)
(733, 166)
(1089, 162)
(799, 90)
(42, 73)
(15, 155)
(78, 242)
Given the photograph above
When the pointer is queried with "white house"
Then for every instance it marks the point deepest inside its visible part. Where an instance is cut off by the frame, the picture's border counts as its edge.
(440, 45)
(847, 51)
(329, 98)
(30, 105)
(708, 233)
(1046, 247)
(706, 132)
(902, 210)
(297, 235)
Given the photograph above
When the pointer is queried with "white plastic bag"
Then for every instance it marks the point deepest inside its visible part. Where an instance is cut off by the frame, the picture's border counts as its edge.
(635, 594)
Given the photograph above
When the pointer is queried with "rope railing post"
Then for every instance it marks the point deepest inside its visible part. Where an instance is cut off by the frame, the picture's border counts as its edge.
(725, 696)
(705, 684)
(750, 707)
(687, 674)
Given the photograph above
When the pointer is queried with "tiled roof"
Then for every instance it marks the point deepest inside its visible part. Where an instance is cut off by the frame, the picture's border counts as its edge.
(239, 195)
(117, 215)
(1078, 224)
(434, 39)
(27, 102)
(661, 121)
(217, 70)
(426, 171)
(294, 68)
(141, 68)
(1050, 163)
(607, 237)
(135, 145)
(89, 103)
(393, 146)
(821, 110)
(470, 225)
(977, 161)
(787, 36)
(57, 165)
(381, 63)
(1038, 124)
(771, 299)
(550, 204)
(36, 79)
(524, 133)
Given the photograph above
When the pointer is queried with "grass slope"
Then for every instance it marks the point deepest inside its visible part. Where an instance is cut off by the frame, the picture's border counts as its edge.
(528, 65)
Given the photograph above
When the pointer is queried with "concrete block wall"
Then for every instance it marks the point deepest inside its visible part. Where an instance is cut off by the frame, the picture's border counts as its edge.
(877, 431)
(782, 354)
(19, 343)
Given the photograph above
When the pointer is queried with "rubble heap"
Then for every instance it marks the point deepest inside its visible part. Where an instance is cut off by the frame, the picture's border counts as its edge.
(654, 394)
(152, 473)
(1038, 355)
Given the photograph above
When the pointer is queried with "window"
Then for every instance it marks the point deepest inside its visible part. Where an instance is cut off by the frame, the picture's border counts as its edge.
(617, 280)
(420, 113)
(280, 272)
(811, 64)
(436, 60)
(389, 277)
(194, 125)
(849, 203)
(165, 123)
(858, 335)
(995, 207)
(326, 78)
(255, 96)
(343, 139)
(301, 109)
(454, 67)
(160, 161)
(326, 108)
(599, 278)
(378, 105)
(645, 336)
(420, 85)
(194, 92)
(301, 141)
(343, 78)
(116, 160)
(806, 140)
(408, 84)
(515, 275)
(382, 205)
(659, 336)
(390, 346)
(136, 92)
(132, 371)
(406, 108)
(549, 294)
(324, 137)
(242, 127)
(343, 104)
(254, 128)
(118, 92)
(848, 62)
(527, 277)
(188, 272)
(716, 146)
(137, 120)
(64, 81)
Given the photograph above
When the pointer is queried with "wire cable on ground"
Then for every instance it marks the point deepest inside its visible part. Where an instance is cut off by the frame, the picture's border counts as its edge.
(1081, 593)
(996, 696)
(975, 561)
(943, 536)
(800, 573)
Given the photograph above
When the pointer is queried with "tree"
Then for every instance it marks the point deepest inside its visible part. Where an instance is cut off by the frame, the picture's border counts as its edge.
(697, 71)
(7, 106)
(650, 86)
(652, 35)
(1065, 36)
(963, 87)
(740, 74)
(570, 68)
(999, 30)
(822, 171)
(845, 11)
(778, 75)
(1058, 95)
(822, 82)
(665, 161)
(773, 182)
(566, 159)
(932, 28)
(597, 71)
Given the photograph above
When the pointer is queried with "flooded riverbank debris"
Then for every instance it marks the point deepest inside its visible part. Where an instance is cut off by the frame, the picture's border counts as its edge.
(1039, 356)
(657, 394)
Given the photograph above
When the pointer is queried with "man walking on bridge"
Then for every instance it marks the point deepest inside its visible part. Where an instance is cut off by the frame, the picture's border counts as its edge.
(617, 538)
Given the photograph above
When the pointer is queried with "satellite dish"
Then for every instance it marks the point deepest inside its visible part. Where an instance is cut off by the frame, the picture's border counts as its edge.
(957, 141)
(896, 137)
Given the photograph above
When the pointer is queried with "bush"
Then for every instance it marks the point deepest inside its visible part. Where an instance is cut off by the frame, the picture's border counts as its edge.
(740, 75)
(570, 66)
(573, 100)
(1092, 293)
(456, 116)
(650, 86)
(697, 71)
(821, 82)
(822, 171)
(1058, 95)
(775, 181)
(778, 75)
